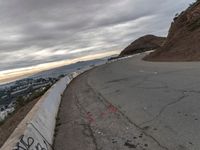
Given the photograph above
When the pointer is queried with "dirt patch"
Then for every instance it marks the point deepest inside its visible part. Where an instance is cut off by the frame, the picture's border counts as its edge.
(11, 123)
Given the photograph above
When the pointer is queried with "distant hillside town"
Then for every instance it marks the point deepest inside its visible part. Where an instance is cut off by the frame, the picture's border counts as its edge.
(17, 94)
(21, 92)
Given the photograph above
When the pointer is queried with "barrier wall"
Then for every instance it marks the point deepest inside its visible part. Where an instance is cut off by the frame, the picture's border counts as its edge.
(36, 131)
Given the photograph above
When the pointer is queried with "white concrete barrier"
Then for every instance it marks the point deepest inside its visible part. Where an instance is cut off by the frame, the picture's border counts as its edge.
(36, 131)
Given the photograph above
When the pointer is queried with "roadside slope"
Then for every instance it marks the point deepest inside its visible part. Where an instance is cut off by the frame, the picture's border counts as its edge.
(12, 122)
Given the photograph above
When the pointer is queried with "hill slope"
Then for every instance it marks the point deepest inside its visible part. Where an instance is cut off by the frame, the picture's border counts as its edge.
(183, 41)
(145, 43)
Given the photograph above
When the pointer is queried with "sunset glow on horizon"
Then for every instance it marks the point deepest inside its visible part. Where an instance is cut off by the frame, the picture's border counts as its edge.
(15, 74)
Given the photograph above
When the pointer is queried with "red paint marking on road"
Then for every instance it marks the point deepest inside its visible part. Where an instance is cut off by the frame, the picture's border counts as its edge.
(110, 109)
(90, 117)
(103, 114)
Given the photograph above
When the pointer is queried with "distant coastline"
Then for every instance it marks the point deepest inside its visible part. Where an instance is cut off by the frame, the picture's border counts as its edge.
(12, 79)
(17, 74)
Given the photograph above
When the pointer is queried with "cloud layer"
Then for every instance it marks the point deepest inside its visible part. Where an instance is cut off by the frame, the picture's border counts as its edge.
(40, 31)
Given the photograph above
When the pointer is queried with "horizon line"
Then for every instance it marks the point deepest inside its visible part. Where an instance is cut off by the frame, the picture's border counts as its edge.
(11, 75)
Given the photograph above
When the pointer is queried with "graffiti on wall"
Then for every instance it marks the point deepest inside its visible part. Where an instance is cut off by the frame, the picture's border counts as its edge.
(30, 144)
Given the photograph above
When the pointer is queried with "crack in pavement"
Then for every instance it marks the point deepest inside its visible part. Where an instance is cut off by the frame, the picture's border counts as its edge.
(86, 126)
(164, 108)
(165, 86)
(129, 120)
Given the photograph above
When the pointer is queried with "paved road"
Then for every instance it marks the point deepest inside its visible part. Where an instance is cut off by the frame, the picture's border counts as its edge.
(132, 104)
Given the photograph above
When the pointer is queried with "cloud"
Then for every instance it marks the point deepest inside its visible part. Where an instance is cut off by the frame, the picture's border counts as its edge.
(41, 31)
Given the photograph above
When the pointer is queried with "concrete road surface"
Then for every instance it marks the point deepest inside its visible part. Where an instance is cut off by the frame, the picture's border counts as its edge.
(132, 104)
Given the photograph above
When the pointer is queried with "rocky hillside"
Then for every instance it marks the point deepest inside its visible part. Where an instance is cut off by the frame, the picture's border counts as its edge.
(183, 41)
(145, 43)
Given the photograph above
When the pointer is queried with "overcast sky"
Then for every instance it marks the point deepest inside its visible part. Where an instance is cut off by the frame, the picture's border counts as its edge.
(39, 31)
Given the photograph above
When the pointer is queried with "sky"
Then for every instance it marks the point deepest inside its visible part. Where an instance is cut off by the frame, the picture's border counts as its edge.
(34, 32)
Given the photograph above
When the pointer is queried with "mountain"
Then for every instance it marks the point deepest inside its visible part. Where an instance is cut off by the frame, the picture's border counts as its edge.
(145, 43)
(55, 72)
(183, 40)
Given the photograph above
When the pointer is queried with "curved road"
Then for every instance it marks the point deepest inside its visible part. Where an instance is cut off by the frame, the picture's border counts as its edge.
(132, 104)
